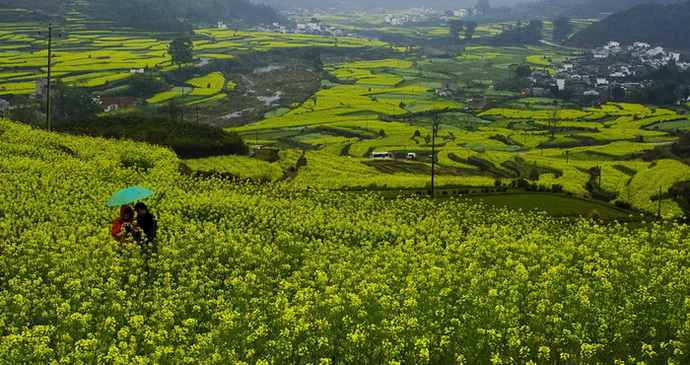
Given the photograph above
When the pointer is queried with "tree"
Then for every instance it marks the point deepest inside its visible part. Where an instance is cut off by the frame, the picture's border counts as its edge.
(313, 56)
(618, 94)
(174, 108)
(533, 30)
(180, 51)
(553, 120)
(680, 193)
(520, 34)
(483, 6)
(455, 27)
(146, 84)
(470, 26)
(666, 85)
(562, 28)
(523, 71)
(72, 103)
(22, 109)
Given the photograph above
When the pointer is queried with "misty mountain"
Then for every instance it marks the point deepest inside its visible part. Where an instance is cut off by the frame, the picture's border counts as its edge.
(664, 25)
(167, 15)
(582, 8)
(385, 4)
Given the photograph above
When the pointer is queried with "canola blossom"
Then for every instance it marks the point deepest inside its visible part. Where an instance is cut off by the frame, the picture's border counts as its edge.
(261, 274)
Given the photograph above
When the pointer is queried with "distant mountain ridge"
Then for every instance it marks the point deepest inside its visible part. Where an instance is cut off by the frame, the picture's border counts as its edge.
(583, 8)
(385, 4)
(663, 25)
(147, 14)
(518, 8)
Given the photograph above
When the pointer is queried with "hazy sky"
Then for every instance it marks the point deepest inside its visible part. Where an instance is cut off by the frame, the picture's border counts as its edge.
(437, 4)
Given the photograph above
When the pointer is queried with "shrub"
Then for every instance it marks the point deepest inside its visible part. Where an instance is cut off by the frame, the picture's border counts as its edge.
(622, 204)
(187, 140)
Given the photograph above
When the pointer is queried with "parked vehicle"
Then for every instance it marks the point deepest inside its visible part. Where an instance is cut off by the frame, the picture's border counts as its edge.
(381, 155)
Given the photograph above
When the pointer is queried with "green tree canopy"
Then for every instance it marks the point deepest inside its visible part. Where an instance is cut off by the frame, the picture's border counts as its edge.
(313, 56)
(24, 110)
(145, 85)
(455, 27)
(470, 26)
(534, 29)
(180, 51)
(73, 103)
(562, 28)
(520, 34)
(483, 6)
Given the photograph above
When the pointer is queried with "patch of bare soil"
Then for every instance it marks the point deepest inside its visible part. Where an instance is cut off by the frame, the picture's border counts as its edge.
(277, 82)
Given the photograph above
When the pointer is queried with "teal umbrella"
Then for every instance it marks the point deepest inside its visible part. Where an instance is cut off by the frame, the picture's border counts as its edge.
(126, 196)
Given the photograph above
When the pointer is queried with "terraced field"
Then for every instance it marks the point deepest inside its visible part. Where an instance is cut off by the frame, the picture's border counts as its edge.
(95, 56)
(341, 125)
(388, 105)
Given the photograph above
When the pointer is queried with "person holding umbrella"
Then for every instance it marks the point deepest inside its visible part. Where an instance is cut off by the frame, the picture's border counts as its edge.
(147, 223)
(123, 227)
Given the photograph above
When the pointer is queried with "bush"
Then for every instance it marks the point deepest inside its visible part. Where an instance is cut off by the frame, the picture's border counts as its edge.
(521, 183)
(187, 140)
(622, 204)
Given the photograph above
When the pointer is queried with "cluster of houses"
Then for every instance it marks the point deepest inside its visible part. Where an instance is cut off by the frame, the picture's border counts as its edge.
(423, 14)
(586, 79)
(641, 52)
(591, 78)
(401, 19)
(413, 15)
(109, 104)
(312, 27)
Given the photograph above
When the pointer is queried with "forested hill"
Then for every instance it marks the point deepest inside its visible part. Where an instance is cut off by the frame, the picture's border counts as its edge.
(166, 15)
(664, 25)
(583, 8)
(346, 5)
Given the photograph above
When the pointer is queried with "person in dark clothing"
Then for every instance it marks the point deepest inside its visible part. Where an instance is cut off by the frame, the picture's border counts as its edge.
(146, 221)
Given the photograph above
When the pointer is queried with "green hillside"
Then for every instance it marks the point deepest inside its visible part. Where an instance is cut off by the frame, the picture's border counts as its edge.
(269, 274)
(160, 15)
(581, 8)
(664, 25)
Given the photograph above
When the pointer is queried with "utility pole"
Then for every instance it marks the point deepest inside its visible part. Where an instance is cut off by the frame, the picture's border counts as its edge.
(435, 124)
(50, 54)
(48, 81)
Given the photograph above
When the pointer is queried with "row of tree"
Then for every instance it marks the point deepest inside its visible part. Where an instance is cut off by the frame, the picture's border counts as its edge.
(516, 34)
(520, 34)
(458, 26)
(669, 84)
(182, 14)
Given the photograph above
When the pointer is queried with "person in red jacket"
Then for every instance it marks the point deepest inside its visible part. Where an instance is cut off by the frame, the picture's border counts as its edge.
(123, 226)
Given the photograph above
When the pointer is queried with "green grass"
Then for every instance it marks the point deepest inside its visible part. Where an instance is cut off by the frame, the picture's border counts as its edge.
(552, 204)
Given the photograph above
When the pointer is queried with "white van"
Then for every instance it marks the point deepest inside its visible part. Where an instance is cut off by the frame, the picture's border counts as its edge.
(381, 155)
